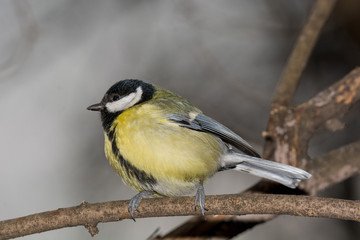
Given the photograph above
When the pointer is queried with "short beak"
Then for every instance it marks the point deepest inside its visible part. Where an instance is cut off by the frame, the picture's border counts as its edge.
(96, 107)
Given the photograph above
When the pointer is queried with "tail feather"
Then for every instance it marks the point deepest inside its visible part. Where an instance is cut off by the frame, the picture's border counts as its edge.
(287, 175)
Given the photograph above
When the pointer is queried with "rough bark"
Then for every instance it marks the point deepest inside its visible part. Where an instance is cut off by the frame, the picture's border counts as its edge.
(89, 215)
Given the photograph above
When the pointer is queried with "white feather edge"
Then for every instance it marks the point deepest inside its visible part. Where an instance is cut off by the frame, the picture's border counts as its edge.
(287, 175)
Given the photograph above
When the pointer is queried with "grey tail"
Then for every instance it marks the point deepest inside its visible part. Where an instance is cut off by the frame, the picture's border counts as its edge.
(287, 175)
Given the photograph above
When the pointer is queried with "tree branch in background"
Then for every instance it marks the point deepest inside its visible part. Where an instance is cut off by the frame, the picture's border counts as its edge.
(334, 167)
(290, 129)
(89, 215)
(301, 52)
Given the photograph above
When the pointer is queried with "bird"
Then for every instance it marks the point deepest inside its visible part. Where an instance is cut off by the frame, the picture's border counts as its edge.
(163, 146)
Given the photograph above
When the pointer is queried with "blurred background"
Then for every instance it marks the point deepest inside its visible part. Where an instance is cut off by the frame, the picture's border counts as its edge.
(58, 57)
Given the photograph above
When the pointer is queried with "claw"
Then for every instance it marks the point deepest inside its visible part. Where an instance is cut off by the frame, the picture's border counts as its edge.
(200, 197)
(135, 201)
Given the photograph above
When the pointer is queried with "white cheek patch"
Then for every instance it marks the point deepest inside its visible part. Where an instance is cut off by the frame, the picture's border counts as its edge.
(125, 102)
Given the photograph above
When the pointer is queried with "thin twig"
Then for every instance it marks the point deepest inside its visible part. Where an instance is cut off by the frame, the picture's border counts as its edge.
(92, 214)
(302, 51)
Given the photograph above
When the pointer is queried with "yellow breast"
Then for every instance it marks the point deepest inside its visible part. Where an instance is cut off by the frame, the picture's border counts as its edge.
(161, 149)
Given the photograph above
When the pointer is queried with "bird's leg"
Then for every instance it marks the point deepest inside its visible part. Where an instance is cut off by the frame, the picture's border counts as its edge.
(200, 196)
(135, 201)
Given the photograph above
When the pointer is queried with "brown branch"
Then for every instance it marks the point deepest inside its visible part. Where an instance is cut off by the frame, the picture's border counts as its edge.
(89, 215)
(330, 105)
(334, 167)
(289, 81)
(301, 52)
(290, 129)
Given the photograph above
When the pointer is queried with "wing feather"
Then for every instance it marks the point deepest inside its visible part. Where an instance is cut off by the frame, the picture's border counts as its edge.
(203, 123)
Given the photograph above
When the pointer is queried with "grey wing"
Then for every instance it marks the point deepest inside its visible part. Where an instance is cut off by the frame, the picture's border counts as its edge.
(200, 122)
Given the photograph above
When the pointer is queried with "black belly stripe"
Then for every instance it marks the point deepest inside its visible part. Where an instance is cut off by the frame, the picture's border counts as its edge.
(130, 169)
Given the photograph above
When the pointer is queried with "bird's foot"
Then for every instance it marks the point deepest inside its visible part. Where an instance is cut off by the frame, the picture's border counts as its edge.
(200, 197)
(135, 201)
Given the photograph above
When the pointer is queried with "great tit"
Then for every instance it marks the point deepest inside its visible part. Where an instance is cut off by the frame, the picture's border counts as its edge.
(162, 145)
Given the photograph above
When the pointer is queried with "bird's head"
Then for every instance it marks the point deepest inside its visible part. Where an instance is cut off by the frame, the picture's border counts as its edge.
(121, 96)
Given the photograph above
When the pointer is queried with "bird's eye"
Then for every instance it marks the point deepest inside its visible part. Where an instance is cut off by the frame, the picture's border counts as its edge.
(115, 97)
